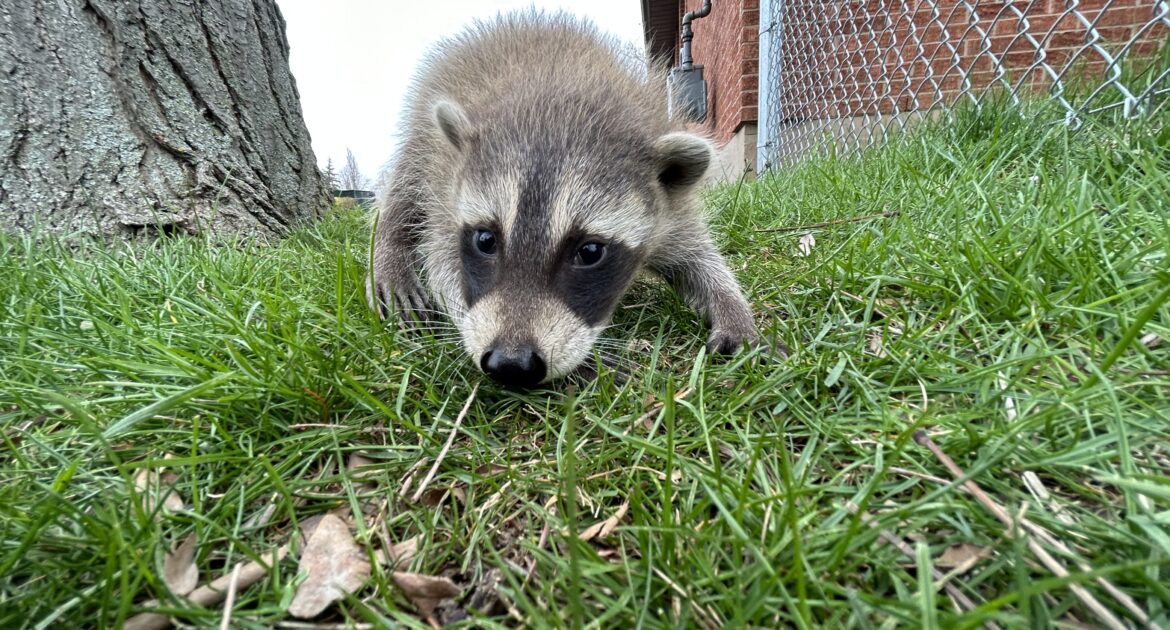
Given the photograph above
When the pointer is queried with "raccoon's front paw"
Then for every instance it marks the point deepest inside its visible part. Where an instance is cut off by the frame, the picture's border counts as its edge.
(725, 342)
(406, 299)
(731, 340)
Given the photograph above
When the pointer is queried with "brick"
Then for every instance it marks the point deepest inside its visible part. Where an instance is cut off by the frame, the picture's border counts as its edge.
(1046, 23)
(1146, 48)
(1117, 33)
(1006, 24)
(1066, 39)
(989, 9)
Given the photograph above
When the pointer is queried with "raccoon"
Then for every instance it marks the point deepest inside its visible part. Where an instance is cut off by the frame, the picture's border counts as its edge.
(540, 171)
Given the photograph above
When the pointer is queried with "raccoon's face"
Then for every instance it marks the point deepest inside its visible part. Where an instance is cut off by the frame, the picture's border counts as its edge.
(547, 243)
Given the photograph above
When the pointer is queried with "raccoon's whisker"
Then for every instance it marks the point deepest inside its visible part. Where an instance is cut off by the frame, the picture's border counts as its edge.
(611, 359)
(442, 335)
(450, 369)
(409, 353)
(612, 341)
(621, 346)
(418, 335)
(438, 327)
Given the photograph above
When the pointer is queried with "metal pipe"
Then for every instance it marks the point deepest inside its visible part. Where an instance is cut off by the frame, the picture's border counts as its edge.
(684, 55)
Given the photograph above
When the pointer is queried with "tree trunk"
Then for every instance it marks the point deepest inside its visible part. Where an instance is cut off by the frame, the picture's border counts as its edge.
(137, 117)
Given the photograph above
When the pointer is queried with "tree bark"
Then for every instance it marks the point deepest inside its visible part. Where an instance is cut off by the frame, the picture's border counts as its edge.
(136, 117)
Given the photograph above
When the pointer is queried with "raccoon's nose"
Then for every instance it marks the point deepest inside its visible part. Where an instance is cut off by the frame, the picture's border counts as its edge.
(521, 367)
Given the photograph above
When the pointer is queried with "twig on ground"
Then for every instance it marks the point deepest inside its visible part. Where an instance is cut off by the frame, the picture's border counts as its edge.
(233, 584)
(646, 420)
(210, 594)
(1036, 487)
(824, 224)
(857, 298)
(1039, 533)
(443, 453)
(907, 473)
(312, 625)
(962, 602)
(705, 615)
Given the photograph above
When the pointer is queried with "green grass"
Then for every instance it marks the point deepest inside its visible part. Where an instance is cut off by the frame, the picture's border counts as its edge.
(1015, 309)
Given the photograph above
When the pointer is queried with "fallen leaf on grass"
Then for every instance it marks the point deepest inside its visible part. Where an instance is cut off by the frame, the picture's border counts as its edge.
(490, 470)
(647, 419)
(179, 570)
(359, 466)
(806, 245)
(961, 556)
(606, 527)
(425, 591)
(335, 566)
(875, 344)
(400, 555)
(433, 497)
(244, 575)
(640, 346)
(155, 490)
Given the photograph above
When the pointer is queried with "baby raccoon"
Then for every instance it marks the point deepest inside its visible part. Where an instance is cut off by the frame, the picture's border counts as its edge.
(540, 171)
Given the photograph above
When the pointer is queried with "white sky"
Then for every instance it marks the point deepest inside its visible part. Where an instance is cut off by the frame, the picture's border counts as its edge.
(352, 60)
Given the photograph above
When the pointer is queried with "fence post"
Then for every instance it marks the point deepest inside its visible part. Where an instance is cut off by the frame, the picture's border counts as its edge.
(764, 95)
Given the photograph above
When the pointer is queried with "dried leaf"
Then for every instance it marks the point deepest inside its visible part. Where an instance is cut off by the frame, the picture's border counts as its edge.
(153, 491)
(961, 556)
(806, 245)
(647, 419)
(179, 570)
(606, 527)
(490, 470)
(400, 555)
(309, 525)
(335, 566)
(875, 344)
(359, 466)
(640, 346)
(211, 594)
(433, 497)
(425, 591)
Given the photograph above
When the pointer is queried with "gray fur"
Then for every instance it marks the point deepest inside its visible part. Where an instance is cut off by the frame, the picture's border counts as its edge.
(548, 133)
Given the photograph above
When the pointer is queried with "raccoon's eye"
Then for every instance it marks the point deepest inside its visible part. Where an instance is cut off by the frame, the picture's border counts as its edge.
(485, 242)
(589, 255)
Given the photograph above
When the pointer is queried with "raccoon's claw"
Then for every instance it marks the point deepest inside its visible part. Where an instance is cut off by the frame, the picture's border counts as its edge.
(414, 311)
(408, 303)
(728, 342)
(376, 298)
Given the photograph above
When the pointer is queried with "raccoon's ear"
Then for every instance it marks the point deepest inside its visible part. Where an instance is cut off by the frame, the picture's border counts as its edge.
(453, 123)
(682, 159)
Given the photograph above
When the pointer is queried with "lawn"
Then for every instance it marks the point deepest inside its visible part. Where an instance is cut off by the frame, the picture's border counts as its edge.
(993, 287)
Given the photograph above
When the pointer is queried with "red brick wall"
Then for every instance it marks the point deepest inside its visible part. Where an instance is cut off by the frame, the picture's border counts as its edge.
(726, 43)
(864, 56)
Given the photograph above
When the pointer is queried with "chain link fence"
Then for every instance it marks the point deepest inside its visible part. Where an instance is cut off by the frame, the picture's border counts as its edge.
(847, 73)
